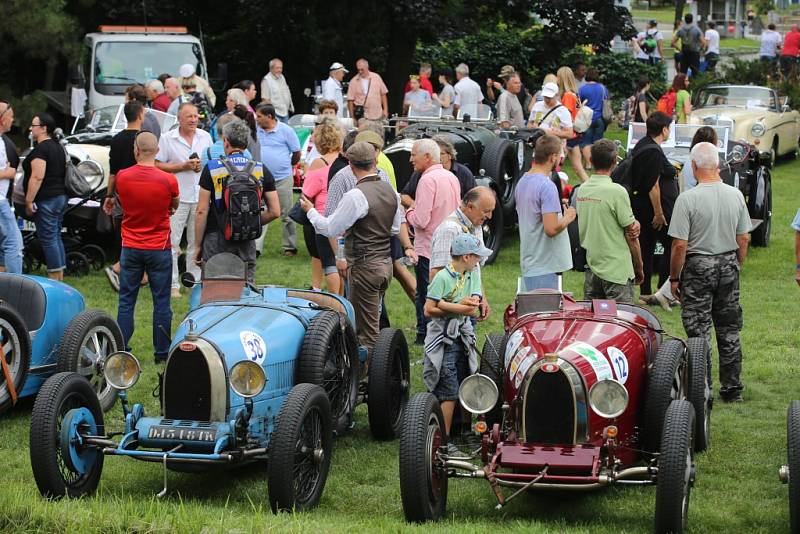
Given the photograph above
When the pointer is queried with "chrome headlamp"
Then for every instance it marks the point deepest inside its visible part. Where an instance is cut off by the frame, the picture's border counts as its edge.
(757, 130)
(608, 398)
(247, 379)
(92, 172)
(121, 370)
(478, 393)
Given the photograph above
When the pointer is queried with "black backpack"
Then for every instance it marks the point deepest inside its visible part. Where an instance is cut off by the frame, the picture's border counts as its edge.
(622, 172)
(241, 196)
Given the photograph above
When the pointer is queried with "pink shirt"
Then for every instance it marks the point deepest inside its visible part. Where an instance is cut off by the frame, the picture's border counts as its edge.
(315, 187)
(368, 94)
(438, 195)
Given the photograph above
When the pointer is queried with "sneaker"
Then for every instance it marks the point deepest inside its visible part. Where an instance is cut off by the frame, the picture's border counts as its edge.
(420, 340)
(113, 278)
(454, 452)
(735, 396)
(176, 293)
(289, 253)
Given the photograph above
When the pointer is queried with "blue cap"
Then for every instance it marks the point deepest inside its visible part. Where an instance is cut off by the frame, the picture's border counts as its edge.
(468, 244)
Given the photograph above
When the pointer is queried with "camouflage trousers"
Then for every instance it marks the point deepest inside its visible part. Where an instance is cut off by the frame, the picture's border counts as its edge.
(710, 290)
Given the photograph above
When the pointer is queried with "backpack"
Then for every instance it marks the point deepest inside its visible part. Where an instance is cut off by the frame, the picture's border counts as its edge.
(203, 106)
(628, 111)
(242, 200)
(666, 104)
(622, 172)
(583, 118)
(649, 44)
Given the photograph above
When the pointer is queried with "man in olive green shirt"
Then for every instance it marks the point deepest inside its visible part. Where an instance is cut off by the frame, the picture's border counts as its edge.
(608, 231)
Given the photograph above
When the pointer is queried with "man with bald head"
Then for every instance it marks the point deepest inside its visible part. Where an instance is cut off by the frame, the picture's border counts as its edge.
(148, 196)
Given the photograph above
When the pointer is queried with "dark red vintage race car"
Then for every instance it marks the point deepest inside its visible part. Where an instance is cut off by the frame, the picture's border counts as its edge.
(575, 395)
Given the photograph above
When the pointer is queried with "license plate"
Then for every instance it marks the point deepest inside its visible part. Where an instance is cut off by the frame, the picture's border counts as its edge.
(182, 434)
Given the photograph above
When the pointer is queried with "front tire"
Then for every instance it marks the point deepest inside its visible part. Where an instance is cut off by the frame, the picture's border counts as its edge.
(300, 450)
(664, 384)
(675, 469)
(16, 349)
(492, 365)
(60, 467)
(423, 477)
(700, 391)
(389, 383)
(90, 337)
(793, 453)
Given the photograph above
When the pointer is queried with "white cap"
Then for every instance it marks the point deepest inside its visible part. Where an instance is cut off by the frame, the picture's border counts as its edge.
(549, 90)
(336, 66)
(186, 70)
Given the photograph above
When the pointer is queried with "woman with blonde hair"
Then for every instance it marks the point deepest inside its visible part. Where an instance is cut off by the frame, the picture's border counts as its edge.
(568, 88)
(235, 97)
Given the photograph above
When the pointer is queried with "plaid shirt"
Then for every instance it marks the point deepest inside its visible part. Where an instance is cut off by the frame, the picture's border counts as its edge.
(454, 224)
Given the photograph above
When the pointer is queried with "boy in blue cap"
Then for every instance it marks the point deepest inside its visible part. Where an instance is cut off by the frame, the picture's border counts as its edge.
(453, 297)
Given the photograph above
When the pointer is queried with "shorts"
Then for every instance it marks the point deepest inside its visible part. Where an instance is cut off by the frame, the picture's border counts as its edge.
(575, 141)
(319, 247)
(454, 369)
(594, 133)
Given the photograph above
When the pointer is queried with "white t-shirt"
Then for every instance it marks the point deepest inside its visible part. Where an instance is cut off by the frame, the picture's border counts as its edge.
(558, 118)
(172, 148)
(468, 92)
(332, 90)
(654, 33)
(770, 40)
(712, 36)
(3, 164)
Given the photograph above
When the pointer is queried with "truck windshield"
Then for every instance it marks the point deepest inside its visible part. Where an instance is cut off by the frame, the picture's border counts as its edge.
(124, 63)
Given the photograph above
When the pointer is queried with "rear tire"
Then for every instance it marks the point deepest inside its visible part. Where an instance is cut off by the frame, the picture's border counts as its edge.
(675, 469)
(499, 161)
(423, 479)
(329, 358)
(793, 453)
(389, 384)
(16, 349)
(55, 474)
(664, 384)
(760, 236)
(700, 391)
(492, 365)
(300, 450)
(493, 230)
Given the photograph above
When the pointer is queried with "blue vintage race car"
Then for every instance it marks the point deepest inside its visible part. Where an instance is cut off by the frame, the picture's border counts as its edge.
(252, 374)
(44, 329)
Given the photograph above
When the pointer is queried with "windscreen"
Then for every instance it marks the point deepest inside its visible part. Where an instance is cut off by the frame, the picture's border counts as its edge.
(125, 63)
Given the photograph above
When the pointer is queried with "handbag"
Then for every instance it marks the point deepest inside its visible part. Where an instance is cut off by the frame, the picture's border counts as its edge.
(608, 112)
(583, 119)
(298, 215)
(358, 111)
(74, 182)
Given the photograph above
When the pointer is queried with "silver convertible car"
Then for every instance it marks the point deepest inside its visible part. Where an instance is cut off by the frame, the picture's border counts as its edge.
(754, 114)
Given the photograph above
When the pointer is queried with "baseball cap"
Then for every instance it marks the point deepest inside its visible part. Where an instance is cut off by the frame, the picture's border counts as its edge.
(549, 90)
(361, 153)
(336, 66)
(506, 71)
(368, 136)
(468, 244)
(186, 70)
(653, 23)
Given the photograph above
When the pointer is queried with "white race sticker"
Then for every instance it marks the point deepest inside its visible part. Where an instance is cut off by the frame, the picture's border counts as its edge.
(518, 359)
(513, 344)
(619, 363)
(522, 371)
(254, 347)
(601, 367)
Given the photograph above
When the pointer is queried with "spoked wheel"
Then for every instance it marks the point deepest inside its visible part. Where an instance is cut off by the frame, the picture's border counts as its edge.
(329, 358)
(300, 450)
(77, 264)
(65, 408)
(676, 470)
(95, 255)
(700, 391)
(423, 476)
(493, 230)
(15, 343)
(389, 383)
(793, 453)
(89, 339)
(666, 382)
(492, 366)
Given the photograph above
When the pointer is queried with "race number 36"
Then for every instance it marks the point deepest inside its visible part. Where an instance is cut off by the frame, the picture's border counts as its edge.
(254, 347)
(619, 362)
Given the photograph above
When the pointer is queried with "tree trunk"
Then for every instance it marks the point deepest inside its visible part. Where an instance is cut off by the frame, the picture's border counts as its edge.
(679, 9)
(401, 47)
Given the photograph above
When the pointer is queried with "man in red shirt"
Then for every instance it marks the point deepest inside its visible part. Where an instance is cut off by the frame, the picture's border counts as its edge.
(790, 50)
(424, 79)
(148, 197)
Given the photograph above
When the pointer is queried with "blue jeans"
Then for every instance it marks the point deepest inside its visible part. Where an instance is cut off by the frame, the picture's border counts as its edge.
(157, 264)
(454, 369)
(11, 248)
(422, 270)
(48, 218)
(544, 281)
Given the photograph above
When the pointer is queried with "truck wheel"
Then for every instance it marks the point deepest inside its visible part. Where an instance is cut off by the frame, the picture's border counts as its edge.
(499, 161)
(793, 453)
(493, 230)
(700, 392)
(423, 477)
(675, 468)
(389, 382)
(329, 358)
(16, 347)
(664, 384)
(90, 337)
(65, 407)
(492, 365)
(761, 235)
(300, 450)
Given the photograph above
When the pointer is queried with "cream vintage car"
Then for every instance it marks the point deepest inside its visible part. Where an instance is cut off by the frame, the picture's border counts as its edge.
(754, 114)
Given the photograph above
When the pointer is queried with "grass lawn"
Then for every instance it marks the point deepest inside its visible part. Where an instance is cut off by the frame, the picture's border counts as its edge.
(737, 487)
(661, 14)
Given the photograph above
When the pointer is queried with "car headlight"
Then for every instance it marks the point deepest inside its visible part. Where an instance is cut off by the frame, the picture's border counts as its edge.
(757, 130)
(608, 398)
(478, 393)
(121, 370)
(248, 379)
(92, 172)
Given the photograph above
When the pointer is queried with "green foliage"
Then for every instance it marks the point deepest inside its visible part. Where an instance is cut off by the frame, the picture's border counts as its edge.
(38, 29)
(745, 72)
(620, 73)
